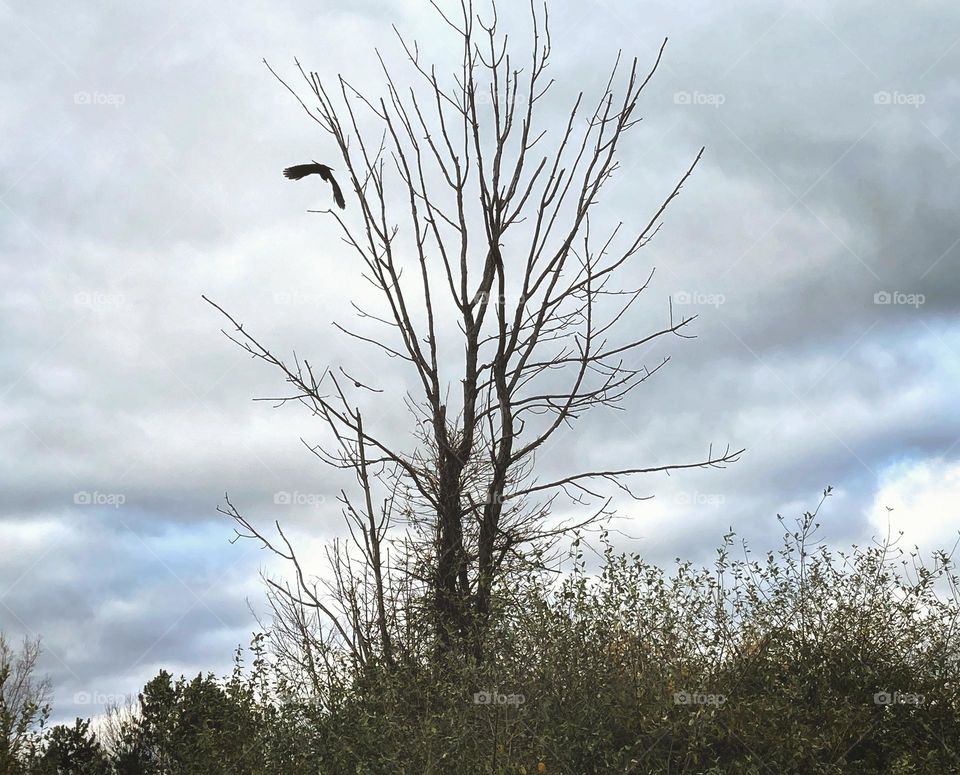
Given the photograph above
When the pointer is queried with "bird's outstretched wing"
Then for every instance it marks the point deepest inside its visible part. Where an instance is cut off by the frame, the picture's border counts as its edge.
(301, 171)
(337, 193)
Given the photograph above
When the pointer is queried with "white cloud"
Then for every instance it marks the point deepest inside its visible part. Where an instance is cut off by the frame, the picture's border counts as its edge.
(925, 500)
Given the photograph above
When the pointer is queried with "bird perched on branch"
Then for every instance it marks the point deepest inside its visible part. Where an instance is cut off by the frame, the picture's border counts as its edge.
(325, 172)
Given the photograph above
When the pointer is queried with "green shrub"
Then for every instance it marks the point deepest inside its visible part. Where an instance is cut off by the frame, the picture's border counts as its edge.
(785, 664)
(805, 661)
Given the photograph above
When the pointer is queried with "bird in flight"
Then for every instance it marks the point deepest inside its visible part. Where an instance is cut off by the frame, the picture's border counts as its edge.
(325, 173)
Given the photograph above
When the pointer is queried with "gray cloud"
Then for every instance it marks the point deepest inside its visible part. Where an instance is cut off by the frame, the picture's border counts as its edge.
(141, 169)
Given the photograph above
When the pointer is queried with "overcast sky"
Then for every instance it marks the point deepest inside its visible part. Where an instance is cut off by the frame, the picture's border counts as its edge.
(140, 168)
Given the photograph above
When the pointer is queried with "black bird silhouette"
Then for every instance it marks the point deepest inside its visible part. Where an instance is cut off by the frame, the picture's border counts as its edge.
(325, 172)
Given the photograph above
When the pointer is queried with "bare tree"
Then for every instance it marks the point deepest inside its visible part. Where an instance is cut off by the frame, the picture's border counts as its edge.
(23, 700)
(469, 210)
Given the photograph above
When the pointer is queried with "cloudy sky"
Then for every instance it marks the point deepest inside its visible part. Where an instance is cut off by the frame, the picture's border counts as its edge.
(818, 242)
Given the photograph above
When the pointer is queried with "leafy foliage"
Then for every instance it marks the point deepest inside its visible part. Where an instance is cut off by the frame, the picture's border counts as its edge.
(23, 704)
(805, 660)
(73, 750)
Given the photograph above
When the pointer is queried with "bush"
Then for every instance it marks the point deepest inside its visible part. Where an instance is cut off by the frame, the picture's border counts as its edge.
(806, 661)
